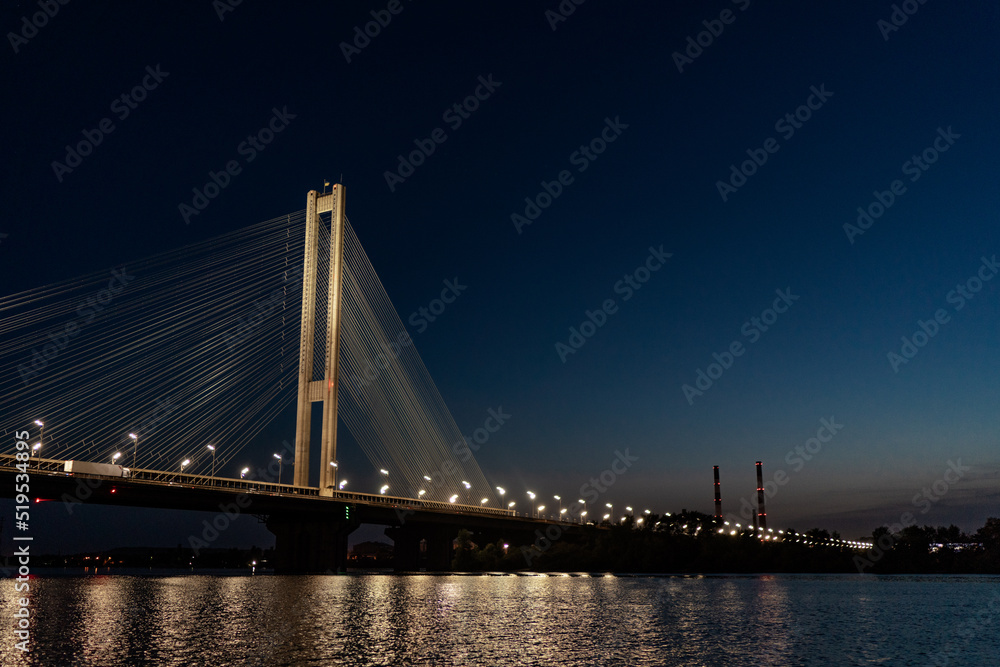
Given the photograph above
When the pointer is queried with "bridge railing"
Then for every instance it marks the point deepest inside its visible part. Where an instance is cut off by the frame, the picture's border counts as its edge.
(57, 466)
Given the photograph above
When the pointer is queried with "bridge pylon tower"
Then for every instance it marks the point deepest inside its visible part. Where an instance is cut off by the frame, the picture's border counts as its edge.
(312, 390)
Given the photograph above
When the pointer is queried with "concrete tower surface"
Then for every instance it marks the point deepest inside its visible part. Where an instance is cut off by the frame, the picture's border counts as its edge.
(323, 389)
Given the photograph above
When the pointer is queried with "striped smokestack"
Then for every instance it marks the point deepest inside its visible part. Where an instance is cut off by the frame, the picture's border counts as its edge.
(718, 497)
(761, 514)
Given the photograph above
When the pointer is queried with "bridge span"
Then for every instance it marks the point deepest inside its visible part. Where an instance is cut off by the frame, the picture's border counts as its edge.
(310, 529)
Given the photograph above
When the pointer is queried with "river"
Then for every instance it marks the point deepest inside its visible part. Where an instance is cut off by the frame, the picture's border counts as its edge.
(386, 619)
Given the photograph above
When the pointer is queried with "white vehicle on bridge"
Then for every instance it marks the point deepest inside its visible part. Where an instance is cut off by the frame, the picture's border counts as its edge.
(106, 469)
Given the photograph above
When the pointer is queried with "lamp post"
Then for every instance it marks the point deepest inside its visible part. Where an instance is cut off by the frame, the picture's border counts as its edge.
(562, 511)
(243, 473)
(385, 487)
(510, 506)
(584, 513)
(532, 496)
(343, 483)
(41, 431)
(211, 448)
(611, 508)
(467, 487)
(484, 501)
(35, 448)
(583, 517)
(135, 447)
(278, 456)
(116, 456)
(184, 463)
(559, 498)
(453, 497)
(336, 469)
(421, 493)
(538, 512)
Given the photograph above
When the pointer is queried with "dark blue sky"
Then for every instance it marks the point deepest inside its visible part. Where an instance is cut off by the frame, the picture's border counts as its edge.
(887, 95)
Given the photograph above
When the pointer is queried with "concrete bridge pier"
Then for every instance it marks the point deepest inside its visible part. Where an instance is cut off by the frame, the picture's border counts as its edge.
(309, 544)
(422, 546)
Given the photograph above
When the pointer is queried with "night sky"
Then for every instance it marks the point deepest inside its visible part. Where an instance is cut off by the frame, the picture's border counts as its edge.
(690, 170)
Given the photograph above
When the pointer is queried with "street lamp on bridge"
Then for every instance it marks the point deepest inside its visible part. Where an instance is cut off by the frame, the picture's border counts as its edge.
(385, 487)
(532, 496)
(135, 447)
(184, 463)
(538, 513)
(467, 487)
(115, 456)
(278, 456)
(510, 505)
(243, 473)
(41, 431)
(336, 469)
(211, 448)
(559, 498)
(342, 484)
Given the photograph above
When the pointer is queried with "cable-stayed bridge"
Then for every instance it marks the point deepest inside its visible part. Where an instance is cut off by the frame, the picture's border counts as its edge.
(171, 365)
(166, 369)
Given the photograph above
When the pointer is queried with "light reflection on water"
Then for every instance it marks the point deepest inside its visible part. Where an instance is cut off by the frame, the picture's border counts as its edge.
(118, 621)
